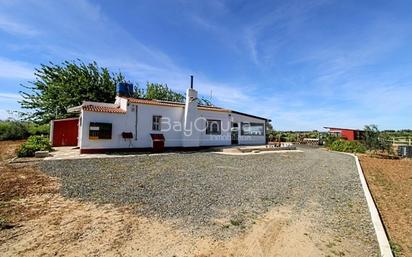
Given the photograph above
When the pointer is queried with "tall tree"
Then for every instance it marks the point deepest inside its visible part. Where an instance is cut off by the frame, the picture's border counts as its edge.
(163, 92)
(58, 87)
(375, 140)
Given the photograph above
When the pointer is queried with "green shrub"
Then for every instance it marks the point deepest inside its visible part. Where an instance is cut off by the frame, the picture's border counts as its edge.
(36, 129)
(13, 130)
(329, 139)
(347, 146)
(33, 144)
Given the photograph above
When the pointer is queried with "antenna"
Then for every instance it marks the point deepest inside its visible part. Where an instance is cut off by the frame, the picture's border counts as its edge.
(191, 81)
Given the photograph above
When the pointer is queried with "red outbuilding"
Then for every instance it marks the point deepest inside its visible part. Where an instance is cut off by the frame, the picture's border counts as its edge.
(349, 134)
(64, 132)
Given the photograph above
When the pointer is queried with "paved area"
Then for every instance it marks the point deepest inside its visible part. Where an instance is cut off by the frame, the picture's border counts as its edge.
(72, 153)
(198, 189)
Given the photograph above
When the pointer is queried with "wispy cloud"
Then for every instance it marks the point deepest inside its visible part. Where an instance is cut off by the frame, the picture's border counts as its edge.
(265, 35)
(15, 70)
(15, 27)
(9, 97)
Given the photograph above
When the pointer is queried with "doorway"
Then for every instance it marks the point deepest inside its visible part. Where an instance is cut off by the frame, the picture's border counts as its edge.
(235, 133)
(65, 132)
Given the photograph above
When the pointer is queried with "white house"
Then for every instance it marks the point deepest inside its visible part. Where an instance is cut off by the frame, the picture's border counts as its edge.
(133, 124)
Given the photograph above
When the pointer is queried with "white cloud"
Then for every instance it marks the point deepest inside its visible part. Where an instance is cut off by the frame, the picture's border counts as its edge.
(15, 70)
(9, 97)
(259, 36)
(14, 27)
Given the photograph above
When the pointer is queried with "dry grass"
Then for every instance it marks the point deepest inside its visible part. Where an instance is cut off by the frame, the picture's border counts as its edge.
(8, 149)
(391, 184)
(19, 181)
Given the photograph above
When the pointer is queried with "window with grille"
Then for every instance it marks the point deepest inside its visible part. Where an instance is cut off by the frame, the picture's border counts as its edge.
(252, 129)
(99, 130)
(156, 122)
(213, 127)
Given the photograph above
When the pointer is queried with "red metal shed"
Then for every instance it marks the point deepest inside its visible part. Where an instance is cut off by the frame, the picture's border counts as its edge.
(349, 134)
(64, 132)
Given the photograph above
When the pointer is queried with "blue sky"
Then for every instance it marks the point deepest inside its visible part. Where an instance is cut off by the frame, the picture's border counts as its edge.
(304, 64)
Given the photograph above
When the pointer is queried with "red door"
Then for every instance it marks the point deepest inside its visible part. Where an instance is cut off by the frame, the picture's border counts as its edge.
(65, 132)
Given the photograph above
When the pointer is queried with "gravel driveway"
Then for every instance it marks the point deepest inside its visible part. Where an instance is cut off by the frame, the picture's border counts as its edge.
(197, 189)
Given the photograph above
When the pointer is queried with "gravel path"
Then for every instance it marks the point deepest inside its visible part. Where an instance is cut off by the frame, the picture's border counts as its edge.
(196, 189)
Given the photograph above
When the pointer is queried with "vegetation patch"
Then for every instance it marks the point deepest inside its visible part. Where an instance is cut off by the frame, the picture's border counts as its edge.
(396, 249)
(32, 145)
(16, 130)
(347, 146)
(236, 222)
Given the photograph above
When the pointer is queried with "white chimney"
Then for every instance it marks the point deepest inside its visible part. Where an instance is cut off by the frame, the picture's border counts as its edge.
(191, 136)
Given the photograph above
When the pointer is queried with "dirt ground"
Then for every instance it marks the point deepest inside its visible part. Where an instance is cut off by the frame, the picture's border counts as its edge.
(37, 221)
(391, 184)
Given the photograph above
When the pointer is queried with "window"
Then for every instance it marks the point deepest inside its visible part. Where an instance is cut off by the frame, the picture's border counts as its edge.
(252, 129)
(99, 130)
(213, 127)
(156, 121)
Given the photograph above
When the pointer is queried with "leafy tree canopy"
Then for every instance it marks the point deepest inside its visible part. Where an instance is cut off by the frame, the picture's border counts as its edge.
(163, 92)
(58, 87)
(158, 91)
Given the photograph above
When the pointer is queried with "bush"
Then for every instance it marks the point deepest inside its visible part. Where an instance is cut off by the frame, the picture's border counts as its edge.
(36, 129)
(33, 144)
(377, 141)
(347, 146)
(329, 139)
(15, 130)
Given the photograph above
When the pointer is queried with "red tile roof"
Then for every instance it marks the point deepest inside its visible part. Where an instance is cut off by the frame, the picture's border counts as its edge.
(155, 102)
(96, 108)
(173, 104)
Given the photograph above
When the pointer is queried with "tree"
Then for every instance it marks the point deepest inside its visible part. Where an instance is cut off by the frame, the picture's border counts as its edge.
(58, 87)
(375, 141)
(372, 137)
(163, 92)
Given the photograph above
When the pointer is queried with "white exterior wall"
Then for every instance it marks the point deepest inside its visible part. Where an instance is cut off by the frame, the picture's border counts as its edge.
(210, 140)
(249, 140)
(174, 137)
(145, 112)
(120, 123)
(126, 123)
(80, 134)
(191, 136)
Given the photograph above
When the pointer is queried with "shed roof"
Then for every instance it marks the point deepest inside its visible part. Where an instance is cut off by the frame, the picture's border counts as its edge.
(343, 128)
